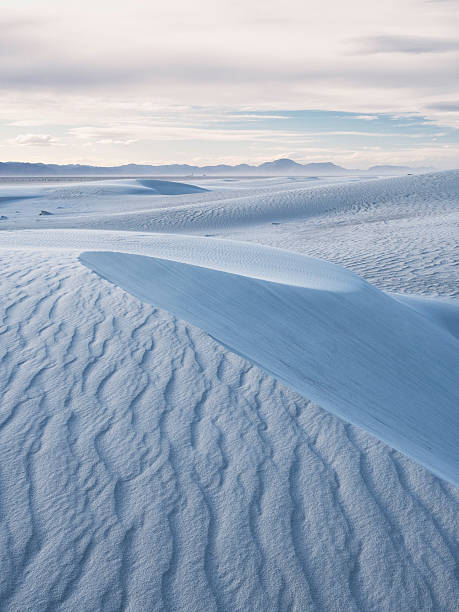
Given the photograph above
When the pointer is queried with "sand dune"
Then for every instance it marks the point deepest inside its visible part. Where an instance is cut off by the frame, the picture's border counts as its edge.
(124, 204)
(161, 440)
(332, 337)
(143, 466)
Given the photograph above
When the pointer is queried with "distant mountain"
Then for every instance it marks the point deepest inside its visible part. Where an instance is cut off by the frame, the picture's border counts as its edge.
(291, 167)
(396, 169)
(276, 168)
(284, 165)
(31, 169)
(279, 167)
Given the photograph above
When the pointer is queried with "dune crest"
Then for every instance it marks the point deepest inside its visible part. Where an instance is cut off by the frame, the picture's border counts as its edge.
(350, 347)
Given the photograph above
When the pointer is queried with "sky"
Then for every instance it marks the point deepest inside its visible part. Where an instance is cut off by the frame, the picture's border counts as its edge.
(358, 83)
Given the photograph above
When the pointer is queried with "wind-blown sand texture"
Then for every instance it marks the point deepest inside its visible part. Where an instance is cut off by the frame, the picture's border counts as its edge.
(161, 440)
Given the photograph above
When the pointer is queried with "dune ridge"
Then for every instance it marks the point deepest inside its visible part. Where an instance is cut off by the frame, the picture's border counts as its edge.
(349, 347)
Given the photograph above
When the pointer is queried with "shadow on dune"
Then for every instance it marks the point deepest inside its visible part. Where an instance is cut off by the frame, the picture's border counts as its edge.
(359, 353)
(170, 187)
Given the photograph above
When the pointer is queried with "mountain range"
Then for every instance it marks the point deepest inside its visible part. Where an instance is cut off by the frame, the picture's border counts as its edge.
(279, 167)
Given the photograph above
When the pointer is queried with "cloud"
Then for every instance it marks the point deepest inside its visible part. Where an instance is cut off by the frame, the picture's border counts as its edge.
(447, 107)
(34, 140)
(166, 132)
(406, 44)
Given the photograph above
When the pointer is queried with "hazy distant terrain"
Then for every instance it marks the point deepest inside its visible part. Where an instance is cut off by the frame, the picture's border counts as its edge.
(279, 167)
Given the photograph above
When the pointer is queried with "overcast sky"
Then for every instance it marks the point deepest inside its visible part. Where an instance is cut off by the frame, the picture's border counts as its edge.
(357, 82)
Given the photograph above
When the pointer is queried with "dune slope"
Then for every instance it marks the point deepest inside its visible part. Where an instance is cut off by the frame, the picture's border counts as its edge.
(144, 467)
(337, 340)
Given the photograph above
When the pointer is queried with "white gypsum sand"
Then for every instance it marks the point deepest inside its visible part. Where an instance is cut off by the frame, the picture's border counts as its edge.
(150, 462)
